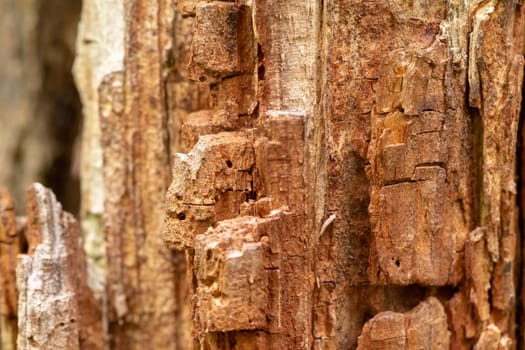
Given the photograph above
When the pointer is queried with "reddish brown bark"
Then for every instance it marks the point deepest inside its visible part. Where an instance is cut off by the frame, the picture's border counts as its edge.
(349, 175)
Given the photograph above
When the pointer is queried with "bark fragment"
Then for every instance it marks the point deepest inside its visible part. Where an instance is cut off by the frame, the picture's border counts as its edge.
(209, 185)
(232, 292)
(56, 308)
(424, 327)
(410, 164)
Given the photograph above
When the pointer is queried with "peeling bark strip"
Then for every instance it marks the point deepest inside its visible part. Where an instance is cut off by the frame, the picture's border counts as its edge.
(55, 308)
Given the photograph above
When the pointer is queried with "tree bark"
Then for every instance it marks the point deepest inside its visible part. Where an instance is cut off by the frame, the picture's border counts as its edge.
(288, 175)
(56, 309)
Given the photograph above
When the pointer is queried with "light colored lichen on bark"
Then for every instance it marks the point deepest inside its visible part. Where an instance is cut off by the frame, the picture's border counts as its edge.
(100, 51)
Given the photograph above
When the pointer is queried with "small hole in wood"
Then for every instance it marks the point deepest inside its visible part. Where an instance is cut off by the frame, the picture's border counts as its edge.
(229, 163)
(398, 263)
(202, 78)
(181, 216)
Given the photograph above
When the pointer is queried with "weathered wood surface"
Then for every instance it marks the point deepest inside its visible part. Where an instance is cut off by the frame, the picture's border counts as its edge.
(297, 175)
(424, 327)
(56, 309)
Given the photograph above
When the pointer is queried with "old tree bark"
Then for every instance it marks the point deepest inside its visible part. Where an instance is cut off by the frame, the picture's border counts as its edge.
(280, 174)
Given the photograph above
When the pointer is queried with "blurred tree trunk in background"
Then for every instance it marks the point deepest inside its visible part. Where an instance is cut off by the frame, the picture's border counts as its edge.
(285, 175)
(40, 111)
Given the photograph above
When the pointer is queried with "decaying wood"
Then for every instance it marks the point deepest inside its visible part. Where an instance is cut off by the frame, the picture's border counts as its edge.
(56, 309)
(424, 327)
(407, 186)
(242, 185)
(100, 52)
(285, 175)
(395, 100)
(141, 275)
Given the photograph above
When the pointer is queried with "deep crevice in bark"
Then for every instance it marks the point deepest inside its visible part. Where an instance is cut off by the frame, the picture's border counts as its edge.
(477, 160)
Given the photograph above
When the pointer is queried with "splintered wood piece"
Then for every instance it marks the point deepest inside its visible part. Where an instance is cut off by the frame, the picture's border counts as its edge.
(56, 309)
(232, 292)
(209, 185)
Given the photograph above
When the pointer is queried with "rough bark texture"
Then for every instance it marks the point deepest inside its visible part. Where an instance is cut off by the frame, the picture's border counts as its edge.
(424, 327)
(343, 160)
(99, 53)
(295, 174)
(55, 307)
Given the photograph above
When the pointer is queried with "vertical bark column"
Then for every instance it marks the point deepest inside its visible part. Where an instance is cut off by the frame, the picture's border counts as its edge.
(133, 118)
(287, 39)
(100, 53)
(242, 186)
(496, 82)
(437, 197)
(141, 276)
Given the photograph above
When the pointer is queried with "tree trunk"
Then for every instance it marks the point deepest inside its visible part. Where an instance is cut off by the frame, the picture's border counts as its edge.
(40, 111)
(286, 175)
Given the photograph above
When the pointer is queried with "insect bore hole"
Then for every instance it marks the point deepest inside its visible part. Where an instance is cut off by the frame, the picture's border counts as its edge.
(181, 216)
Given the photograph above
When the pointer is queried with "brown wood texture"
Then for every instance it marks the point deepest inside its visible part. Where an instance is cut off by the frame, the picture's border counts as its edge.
(287, 174)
